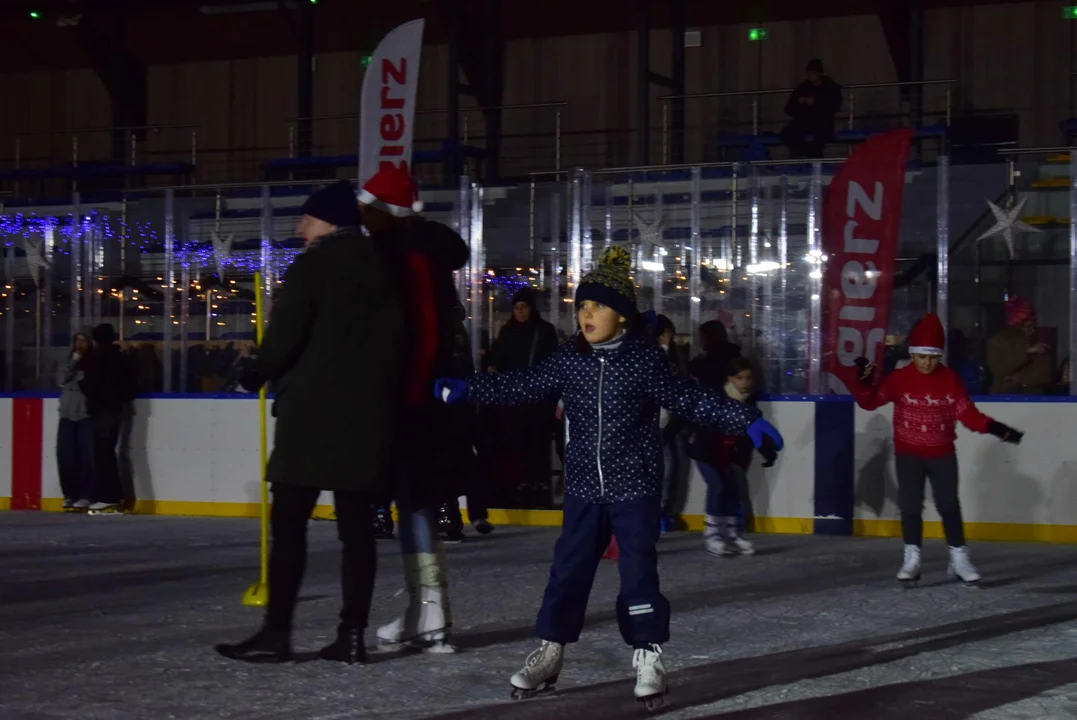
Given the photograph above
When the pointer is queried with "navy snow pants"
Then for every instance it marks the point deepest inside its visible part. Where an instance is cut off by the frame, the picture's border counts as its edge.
(642, 611)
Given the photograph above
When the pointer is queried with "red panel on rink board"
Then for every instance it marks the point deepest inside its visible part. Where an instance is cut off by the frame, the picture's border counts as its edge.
(27, 436)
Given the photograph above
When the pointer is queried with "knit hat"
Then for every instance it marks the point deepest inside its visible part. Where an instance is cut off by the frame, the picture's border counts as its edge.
(393, 191)
(525, 295)
(815, 64)
(609, 283)
(927, 337)
(1019, 310)
(104, 334)
(335, 204)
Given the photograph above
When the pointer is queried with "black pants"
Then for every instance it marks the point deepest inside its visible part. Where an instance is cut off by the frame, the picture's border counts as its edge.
(106, 474)
(942, 471)
(75, 458)
(292, 506)
(795, 137)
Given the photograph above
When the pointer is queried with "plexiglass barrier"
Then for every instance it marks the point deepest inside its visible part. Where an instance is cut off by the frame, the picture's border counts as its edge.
(738, 243)
(172, 271)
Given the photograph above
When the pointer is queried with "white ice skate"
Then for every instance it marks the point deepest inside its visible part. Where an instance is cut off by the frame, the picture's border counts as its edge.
(714, 540)
(100, 508)
(909, 574)
(540, 670)
(425, 625)
(961, 566)
(651, 685)
(734, 539)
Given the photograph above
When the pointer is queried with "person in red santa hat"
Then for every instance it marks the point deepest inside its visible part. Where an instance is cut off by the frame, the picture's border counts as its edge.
(929, 399)
(434, 451)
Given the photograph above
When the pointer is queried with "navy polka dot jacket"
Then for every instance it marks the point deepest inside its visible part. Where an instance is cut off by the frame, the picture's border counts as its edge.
(612, 398)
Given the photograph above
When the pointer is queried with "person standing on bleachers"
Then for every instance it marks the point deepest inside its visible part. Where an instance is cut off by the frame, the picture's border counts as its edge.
(812, 106)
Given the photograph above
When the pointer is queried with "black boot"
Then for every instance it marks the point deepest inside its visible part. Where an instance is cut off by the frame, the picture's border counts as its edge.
(266, 646)
(347, 648)
(450, 525)
(383, 523)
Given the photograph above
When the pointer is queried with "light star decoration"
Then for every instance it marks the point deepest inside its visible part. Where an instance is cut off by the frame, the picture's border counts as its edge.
(222, 251)
(35, 257)
(649, 233)
(1006, 223)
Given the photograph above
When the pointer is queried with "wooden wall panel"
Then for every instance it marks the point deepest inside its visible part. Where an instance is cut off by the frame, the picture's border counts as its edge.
(1005, 56)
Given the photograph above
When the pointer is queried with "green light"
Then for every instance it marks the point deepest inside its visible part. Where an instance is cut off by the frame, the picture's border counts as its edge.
(366, 60)
(35, 14)
(1069, 13)
(757, 34)
(313, 2)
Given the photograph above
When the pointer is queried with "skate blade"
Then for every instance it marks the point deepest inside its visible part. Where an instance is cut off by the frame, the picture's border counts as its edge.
(910, 583)
(521, 694)
(104, 512)
(653, 702)
(422, 643)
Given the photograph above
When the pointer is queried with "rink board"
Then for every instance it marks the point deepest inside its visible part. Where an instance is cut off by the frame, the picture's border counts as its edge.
(198, 455)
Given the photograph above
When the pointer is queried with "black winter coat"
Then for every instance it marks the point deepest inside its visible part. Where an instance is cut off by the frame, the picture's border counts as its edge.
(332, 355)
(108, 381)
(523, 345)
(435, 440)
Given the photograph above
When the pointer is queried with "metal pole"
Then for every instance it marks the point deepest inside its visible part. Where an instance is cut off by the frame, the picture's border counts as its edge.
(557, 144)
(169, 285)
(695, 265)
(942, 221)
(478, 270)
(9, 311)
(1073, 276)
(123, 264)
(815, 282)
(75, 250)
(531, 225)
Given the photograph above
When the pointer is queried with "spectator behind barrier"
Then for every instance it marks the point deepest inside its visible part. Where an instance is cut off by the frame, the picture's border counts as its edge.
(812, 106)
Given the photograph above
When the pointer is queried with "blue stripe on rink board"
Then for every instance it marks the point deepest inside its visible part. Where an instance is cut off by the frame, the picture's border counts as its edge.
(835, 467)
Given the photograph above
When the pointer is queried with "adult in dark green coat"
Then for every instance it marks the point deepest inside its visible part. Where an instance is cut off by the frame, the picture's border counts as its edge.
(331, 353)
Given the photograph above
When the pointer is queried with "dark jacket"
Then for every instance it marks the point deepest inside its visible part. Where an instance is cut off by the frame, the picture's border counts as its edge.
(613, 450)
(435, 440)
(331, 353)
(523, 345)
(108, 381)
(818, 117)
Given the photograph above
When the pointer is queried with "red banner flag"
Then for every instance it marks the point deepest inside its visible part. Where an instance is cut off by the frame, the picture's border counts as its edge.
(861, 224)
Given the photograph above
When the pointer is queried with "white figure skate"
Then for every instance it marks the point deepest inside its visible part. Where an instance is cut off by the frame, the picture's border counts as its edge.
(961, 567)
(651, 687)
(540, 671)
(425, 625)
(909, 574)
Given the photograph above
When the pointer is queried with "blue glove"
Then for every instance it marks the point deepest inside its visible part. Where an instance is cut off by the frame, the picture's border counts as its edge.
(761, 428)
(450, 390)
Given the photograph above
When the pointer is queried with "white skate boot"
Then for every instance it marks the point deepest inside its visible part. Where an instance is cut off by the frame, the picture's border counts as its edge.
(734, 539)
(909, 574)
(425, 625)
(651, 685)
(961, 566)
(714, 540)
(540, 670)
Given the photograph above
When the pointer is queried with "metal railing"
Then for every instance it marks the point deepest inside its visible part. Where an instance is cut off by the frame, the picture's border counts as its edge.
(848, 90)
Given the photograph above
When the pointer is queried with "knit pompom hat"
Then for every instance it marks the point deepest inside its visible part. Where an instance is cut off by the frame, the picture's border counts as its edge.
(610, 283)
(336, 204)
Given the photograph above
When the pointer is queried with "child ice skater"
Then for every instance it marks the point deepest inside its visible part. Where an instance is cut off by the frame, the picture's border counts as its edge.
(612, 380)
(929, 399)
(723, 460)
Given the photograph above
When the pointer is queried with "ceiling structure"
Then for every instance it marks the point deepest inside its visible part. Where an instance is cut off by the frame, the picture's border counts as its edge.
(155, 32)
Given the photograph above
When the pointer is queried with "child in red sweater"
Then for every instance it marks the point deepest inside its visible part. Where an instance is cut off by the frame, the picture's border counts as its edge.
(929, 399)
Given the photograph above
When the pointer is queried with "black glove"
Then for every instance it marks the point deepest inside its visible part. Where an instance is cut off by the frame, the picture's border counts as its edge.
(249, 378)
(1005, 433)
(769, 451)
(861, 370)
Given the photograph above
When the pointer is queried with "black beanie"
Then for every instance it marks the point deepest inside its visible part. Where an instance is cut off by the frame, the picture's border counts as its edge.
(815, 64)
(336, 204)
(104, 334)
(524, 295)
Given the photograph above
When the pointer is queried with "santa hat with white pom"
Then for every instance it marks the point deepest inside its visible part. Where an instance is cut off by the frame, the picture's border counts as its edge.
(393, 191)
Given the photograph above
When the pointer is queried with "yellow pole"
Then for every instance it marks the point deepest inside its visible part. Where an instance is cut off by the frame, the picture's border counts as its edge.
(257, 595)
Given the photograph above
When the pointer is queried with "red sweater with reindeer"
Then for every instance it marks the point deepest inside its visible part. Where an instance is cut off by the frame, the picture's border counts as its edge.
(926, 409)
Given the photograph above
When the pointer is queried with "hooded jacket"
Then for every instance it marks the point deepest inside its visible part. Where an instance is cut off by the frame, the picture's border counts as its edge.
(523, 345)
(612, 396)
(422, 256)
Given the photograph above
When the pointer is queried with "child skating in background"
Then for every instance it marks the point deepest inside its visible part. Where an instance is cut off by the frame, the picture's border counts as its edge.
(723, 460)
(612, 381)
(929, 399)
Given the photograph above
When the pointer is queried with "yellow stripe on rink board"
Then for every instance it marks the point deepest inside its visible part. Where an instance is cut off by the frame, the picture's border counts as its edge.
(5, 503)
(975, 531)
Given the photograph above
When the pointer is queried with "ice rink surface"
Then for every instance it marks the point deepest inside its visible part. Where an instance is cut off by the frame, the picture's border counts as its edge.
(115, 617)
